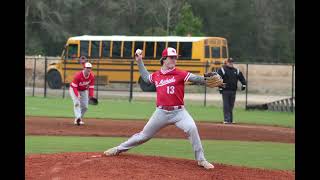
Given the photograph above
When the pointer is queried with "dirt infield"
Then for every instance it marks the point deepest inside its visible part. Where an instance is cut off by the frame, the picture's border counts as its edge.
(74, 166)
(126, 128)
(128, 166)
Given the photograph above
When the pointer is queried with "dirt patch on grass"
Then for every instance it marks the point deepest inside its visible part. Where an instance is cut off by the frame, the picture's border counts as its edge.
(126, 128)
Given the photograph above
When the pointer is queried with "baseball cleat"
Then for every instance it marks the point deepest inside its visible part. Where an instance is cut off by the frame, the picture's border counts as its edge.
(77, 121)
(205, 164)
(111, 152)
(81, 122)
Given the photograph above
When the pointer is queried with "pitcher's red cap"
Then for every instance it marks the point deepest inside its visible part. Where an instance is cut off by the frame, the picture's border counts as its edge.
(169, 52)
(87, 65)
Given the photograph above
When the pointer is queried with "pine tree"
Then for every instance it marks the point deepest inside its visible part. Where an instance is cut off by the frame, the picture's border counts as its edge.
(188, 25)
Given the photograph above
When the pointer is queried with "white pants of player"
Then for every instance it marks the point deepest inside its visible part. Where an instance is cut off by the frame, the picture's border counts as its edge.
(161, 118)
(79, 106)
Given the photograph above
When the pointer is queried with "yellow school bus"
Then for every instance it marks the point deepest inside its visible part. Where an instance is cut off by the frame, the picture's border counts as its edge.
(113, 55)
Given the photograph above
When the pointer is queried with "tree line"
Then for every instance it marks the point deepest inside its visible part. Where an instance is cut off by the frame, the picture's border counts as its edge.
(256, 30)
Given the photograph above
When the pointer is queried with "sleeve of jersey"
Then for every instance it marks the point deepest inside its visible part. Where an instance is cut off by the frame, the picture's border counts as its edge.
(74, 85)
(91, 88)
(151, 78)
(220, 72)
(186, 75)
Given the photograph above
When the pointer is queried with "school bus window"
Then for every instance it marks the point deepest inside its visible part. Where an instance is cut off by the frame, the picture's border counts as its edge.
(160, 47)
(84, 46)
(138, 45)
(172, 44)
(185, 50)
(149, 50)
(206, 52)
(105, 49)
(116, 49)
(72, 51)
(123, 48)
(224, 52)
(127, 49)
(95, 45)
(215, 51)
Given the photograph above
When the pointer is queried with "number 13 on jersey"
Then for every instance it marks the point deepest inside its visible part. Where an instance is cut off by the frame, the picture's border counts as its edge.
(170, 89)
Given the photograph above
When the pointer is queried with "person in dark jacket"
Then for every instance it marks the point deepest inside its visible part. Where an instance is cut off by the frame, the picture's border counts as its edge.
(230, 76)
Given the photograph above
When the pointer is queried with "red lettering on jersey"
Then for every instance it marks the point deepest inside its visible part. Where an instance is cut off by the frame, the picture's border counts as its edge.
(165, 82)
(82, 83)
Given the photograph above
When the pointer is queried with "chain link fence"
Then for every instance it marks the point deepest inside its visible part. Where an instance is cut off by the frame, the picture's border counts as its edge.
(267, 83)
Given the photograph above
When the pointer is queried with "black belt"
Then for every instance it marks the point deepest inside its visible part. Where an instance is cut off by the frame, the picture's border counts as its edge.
(170, 108)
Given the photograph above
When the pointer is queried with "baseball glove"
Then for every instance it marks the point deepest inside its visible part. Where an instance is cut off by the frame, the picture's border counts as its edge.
(213, 79)
(93, 101)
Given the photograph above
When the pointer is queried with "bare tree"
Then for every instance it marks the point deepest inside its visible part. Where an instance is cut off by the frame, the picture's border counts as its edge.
(171, 9)
(131, 11)
(26, 18)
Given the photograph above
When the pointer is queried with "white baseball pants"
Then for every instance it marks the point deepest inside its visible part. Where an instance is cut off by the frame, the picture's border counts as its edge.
(161, 118)
(80, 106)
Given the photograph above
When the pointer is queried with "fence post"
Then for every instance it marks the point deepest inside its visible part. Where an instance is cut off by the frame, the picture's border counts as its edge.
(292, 88)
(205, 87)
(34, 76)
(64, 77)
(247, 86)
(45, 76)
(97, 84)
(131, 80)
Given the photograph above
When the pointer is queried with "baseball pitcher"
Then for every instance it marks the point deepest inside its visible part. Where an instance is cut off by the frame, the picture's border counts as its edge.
(82, 82)
(169, 82)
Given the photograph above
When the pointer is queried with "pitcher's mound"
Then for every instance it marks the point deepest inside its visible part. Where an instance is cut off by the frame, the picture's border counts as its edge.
(128, 166)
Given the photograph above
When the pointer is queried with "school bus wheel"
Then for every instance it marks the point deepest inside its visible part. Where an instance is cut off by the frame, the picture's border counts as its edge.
(54, 79)
(146, 87)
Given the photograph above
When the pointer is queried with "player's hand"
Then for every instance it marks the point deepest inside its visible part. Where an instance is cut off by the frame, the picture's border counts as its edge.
(243, 87)
(93, 101)
(138, 55)
(223, 85)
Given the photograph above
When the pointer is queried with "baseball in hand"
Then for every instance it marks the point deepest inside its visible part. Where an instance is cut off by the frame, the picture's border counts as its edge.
(138, 52)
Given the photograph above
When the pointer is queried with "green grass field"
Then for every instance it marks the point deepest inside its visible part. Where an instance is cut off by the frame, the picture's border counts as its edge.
(142, 110)
(251, 154)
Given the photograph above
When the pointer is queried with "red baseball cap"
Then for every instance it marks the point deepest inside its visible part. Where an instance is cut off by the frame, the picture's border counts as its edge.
(169, 52)
(87, 65)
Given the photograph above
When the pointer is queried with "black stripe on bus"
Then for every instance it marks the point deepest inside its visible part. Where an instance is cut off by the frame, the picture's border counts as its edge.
(128, 64)
(122, 81)
(123, 58)
(108, 62)
(127, 70)
(120, 70)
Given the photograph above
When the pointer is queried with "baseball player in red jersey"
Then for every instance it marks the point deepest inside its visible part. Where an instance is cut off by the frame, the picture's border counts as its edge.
(169, 82)
(82, 81)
